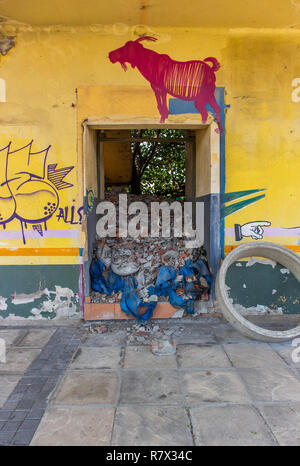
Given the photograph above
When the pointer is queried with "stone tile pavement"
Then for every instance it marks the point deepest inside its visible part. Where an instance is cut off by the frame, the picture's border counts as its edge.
(62, 385)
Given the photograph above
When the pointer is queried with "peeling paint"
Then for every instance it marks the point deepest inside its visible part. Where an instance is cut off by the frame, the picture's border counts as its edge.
(3, 305)
(63, 304)
(17, 318)
(256, 260)
(14, 317)
(23, 298)
(6, 43)
(257, 310)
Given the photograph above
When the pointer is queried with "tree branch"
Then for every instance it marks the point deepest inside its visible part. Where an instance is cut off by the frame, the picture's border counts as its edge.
(136, 149)
(150, 156)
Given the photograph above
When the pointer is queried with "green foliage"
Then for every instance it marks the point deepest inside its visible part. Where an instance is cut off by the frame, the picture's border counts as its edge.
(159, 168)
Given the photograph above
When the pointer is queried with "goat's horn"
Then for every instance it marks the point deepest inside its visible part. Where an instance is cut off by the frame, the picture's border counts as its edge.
(153, 39)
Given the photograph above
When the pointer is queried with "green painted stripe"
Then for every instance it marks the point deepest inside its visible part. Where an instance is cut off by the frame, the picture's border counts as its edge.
(228, 210)
(227, 197)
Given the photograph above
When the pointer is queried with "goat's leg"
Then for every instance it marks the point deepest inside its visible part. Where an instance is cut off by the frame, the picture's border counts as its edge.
(214, 104)
(202, 109)
(161, 99)
(165, 110)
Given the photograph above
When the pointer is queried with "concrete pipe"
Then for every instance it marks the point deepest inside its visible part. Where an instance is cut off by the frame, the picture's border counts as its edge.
(272, 251)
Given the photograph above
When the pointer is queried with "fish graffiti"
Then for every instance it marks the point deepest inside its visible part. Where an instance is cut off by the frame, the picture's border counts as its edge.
(29, 188)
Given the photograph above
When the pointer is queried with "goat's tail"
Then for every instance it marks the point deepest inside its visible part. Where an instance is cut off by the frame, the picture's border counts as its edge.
(215, 64)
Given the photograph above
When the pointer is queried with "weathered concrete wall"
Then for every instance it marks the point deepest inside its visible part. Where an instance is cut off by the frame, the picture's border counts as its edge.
(39, 291)
(263, 288)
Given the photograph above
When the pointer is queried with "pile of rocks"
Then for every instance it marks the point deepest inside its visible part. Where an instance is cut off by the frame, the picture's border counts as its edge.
(142, 258)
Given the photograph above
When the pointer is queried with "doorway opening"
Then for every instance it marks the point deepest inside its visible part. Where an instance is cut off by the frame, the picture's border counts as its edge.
(154, 160)
(149, 166)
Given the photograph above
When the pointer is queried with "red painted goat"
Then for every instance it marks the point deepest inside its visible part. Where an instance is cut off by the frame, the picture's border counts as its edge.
(190, 80)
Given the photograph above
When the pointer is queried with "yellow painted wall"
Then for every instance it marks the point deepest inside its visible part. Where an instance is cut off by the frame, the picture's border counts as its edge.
(117, 158)
(263, 127)
(44, 69)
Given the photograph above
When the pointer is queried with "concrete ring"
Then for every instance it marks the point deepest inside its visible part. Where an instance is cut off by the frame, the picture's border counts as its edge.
(262, 249)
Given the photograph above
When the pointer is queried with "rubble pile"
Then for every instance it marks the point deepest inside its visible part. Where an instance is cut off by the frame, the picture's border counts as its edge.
(143, 259)
(157, 269)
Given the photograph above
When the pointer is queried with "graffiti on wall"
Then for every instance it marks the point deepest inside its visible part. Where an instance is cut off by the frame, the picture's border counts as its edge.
(191, 80)
(89, 201)
(70, 214)
(29, 188)
(238, 200)
(254, 229)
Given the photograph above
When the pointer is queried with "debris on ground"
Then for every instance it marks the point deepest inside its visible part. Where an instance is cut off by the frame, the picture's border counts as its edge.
(101, 328)
(97, 328)
(151, 333)
(163, 348)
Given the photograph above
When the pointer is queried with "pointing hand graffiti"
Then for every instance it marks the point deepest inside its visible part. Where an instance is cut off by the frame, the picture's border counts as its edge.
(27, 193)
(252, 230)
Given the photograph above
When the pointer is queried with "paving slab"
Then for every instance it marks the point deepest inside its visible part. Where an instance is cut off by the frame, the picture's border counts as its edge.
(116, 338)
(284, 422)
(290, 354)
(36, 338)
(297, 372)
(19, 359)
(6, 437)
(75, 427)
(150, 386)
(154, 393)
(22, 438)
(11, 336)
(151, 426)
(225, 333)
(97, 358)
(231, 425)
(271, 384)
(7, 384)
(142, 357)
(214, 386)
(91, 387)
(253, 355)
(202, 356)
(194, 334)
